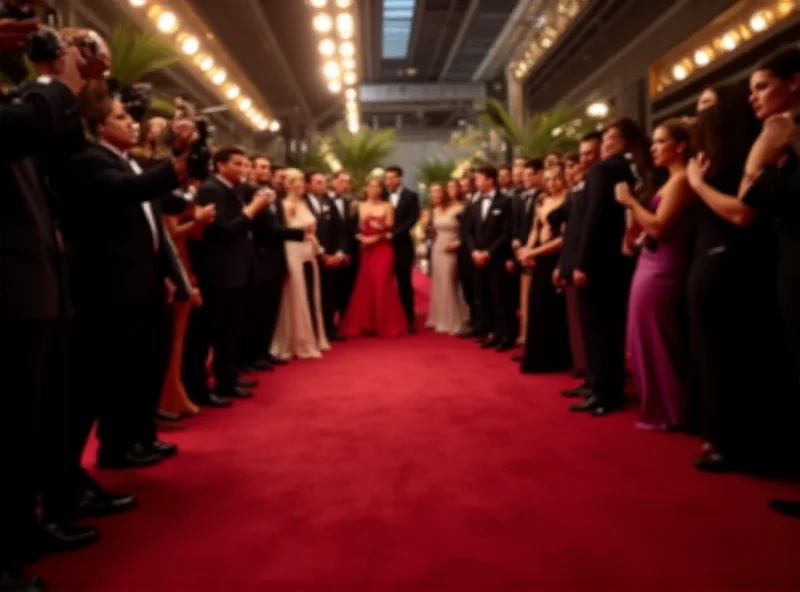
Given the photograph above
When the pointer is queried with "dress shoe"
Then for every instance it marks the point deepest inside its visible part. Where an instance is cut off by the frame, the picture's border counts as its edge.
(575, 373)
(96, 502)
(212, 400)
(16, 581)
(490, 343)
(580, 391)
(132, 457)
(469, 334)
(334, 335)
(710, 461)
(275, 361)
(163, 448)
(588, 405)
(238, 393)
(61, 537)
(263, 366)
(246, 384)
(786, 507)
(167, 417)
(412, 329)
(603, 409)
(505, 346)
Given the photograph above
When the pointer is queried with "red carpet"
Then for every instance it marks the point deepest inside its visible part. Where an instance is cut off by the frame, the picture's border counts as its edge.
(425, 464)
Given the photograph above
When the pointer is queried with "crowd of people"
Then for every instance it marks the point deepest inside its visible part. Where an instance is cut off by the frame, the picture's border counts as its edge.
(681, 252)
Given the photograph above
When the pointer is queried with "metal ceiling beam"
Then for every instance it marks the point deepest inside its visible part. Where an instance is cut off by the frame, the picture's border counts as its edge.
(507, 41)
(422, 92)
(442, 37)
(270, 43)
(469, 14)
(419, 13)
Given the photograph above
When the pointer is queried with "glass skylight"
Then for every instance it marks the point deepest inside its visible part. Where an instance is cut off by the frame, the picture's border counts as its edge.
(398, 18)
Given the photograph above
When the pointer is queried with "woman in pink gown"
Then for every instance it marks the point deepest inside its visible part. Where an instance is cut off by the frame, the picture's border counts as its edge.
(375, 307)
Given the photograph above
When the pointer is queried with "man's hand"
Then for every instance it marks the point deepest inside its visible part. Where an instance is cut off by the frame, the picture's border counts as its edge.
(579, 278)
(510, 266)
(13, 34)
(184, 131)
(205, 215)
(476, 258)
(516, 244)
(196, 298)
(388, 236)
(558, 281)
(261, 200)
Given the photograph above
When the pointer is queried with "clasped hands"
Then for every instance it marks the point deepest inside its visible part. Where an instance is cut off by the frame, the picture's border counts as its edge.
(480, 258)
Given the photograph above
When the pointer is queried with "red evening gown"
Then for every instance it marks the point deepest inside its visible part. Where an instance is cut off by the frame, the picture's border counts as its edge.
(375, 307)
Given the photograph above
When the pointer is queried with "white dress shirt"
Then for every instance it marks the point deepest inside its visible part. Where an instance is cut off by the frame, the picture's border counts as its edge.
(486, 204)
(395, 198)
(147, 208)
(315, 204)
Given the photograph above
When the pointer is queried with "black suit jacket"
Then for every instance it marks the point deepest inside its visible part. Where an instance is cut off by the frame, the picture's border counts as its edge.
(269, 234)
(32, 266)
(570, 213)
(225, 256)
(406, 216)
(111, 242)
(331, 228)
(523, 208)
(492, 234)
(603, 227)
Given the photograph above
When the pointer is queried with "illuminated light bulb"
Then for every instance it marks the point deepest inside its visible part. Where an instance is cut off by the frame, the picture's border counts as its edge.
(347, 49)
(350, 78)
(597, 110)
(219, 77)
(350, 94)
(233, 92)
(349, 64)
(245, 103)
(546, 42)
(190, 46)
(138, 3)
(275, 126)
(319, 3)
(702, 57)
(335, 86)
(344, 24)
(263, 126)
(167, 22)
(729, 41)
(344, 3)
(759, 22)
(327, 47)
(323, 23)
(786, 6)
(205, 63)
(679, 72)
(331, 70)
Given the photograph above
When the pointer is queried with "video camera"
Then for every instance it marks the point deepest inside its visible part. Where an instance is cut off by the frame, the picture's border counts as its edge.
(199, 164)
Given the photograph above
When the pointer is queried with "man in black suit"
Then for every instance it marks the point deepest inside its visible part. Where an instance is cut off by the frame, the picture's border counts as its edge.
(488, 237)
(406, 214)
(34, 311)
(347, 210)
(120, 257)
(602, 273)
(332, 237)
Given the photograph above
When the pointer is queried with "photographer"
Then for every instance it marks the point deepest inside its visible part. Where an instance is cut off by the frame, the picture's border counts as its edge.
(120, 266)
(33, 314)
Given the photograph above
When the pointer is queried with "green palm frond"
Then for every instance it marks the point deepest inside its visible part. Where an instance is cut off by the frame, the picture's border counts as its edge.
(316, 156)
(436, 170)
(161, 108)
(362, 152)
(137, 53)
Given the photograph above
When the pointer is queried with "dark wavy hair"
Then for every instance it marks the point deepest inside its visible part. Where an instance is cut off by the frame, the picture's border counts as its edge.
(725, 131)
(637, 144)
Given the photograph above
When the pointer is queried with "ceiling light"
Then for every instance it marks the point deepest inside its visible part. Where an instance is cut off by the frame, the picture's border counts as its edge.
(702, 57)
(546, 42)
(204, 62)
(323, 23)
(679, 72)
(786, 6)
(597, 110)
(245, 103)
(344, 24)
(233, 92)
(327, 47)
(335, 86)
(167, 22)
(344, 3)
(350, 78)
(350, 94)
(730, 41)
(138, 3)
(347, 49)
(190, 46)
(349, 64)
(319, 3)
(263, 126)
(219, 77)
(331, 69)
(275, 126)
(759, 22)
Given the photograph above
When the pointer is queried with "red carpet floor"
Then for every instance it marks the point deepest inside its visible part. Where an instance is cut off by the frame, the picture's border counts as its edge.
(425, 464)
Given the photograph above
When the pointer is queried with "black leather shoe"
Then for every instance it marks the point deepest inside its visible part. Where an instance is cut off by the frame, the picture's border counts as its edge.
(263, 366)
(96, 502)
(16, 581)
(60, 537)
(275, 361)
(246, 384)
(712, 462)
(588, 405)
(133, 457)
(580, 391)
(786, 507)
(490, 343)
(412, 329)
(239, 393)
(166, 416)
(603, 409)
(163, 448)
(505, 346)
(212, 400)
(334, 335)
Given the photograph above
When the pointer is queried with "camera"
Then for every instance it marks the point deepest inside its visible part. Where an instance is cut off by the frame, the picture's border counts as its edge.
(199, 163)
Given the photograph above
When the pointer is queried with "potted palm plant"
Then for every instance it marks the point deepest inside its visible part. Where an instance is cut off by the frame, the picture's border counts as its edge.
(360, 153)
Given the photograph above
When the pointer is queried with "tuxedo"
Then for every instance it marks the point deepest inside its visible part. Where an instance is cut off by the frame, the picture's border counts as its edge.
(406, 215)
(264, 293)
(347, 208)
(523, 209)
(224, 262)
(488, 228)
(119, 260)
(332, 237)
(34, 307)
(466, 268)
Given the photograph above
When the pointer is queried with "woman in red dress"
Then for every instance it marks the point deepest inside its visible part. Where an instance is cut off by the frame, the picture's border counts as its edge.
(375, 307)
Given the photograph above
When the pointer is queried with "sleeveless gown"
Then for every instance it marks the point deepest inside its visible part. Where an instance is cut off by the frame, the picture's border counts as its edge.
(300, 331)
(375, 307)
(656, 320)
(448, 312)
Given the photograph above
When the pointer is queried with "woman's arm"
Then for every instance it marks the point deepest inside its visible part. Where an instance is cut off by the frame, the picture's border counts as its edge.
(552, 246)
(728, 207)
(675, 196)
(389, 217)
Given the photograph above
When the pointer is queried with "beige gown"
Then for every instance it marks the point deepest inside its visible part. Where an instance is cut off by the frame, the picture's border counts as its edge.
(295, 336)
(448, 312)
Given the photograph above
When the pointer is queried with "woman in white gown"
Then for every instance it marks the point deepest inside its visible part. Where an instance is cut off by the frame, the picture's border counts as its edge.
(448, 313)
(300, 332)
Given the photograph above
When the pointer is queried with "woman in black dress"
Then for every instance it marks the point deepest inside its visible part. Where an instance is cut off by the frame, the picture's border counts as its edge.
(547, 342)
(732, 303)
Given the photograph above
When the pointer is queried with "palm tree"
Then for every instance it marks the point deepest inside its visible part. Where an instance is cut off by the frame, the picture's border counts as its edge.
(137, 53)
(361, 153)
(559, 129)
(316, 156)
(436, 170)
